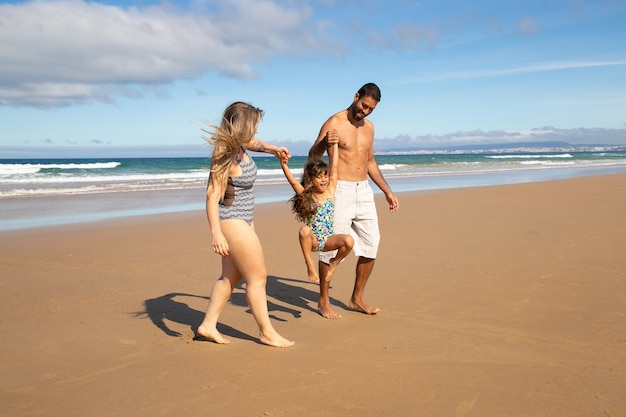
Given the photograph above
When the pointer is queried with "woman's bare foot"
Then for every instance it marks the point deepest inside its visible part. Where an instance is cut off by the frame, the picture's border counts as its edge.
(363, 307)
(275, 340)
(328, 312)
(213, 335)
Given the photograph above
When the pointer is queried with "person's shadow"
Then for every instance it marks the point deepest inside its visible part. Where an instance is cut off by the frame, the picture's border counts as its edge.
(173, 308)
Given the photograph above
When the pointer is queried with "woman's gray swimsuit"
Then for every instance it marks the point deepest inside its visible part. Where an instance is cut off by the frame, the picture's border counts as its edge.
(243, 204)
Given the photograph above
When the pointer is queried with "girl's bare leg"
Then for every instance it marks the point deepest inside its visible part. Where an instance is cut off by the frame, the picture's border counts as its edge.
(308, 242)
(247, 255)
(343, 244)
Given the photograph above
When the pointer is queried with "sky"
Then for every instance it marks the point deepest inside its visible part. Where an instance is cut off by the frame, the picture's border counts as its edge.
(92, 78)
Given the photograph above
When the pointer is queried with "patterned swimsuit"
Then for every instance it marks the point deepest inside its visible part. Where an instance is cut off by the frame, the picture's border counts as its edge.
(322, 223)
(243, 204)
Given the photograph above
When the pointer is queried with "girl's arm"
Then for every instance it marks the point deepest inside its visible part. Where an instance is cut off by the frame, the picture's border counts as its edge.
(333, 163)
(257, 145)
(218, 241)
(297, 187)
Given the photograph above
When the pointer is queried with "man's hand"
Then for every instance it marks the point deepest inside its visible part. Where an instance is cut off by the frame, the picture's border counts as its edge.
(332, 137)
(394, 205)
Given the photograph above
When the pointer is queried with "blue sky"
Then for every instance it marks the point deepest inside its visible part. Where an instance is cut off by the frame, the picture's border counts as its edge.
(89, 78)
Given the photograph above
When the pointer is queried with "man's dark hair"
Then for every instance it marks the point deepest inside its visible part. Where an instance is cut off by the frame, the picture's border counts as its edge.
(371, 90)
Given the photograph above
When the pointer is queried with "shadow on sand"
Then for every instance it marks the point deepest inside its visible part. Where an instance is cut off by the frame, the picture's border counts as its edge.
(173, 307)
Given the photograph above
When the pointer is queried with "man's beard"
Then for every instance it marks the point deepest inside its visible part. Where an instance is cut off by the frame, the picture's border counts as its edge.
(357, 115)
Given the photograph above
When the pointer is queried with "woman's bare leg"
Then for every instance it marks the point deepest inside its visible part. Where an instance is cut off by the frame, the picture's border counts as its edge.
(220, 294)
(247, 255)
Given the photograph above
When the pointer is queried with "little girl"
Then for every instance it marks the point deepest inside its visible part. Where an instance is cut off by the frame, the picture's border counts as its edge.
(314, 205)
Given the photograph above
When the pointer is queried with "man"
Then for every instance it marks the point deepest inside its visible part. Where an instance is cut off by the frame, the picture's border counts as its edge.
(354, 199)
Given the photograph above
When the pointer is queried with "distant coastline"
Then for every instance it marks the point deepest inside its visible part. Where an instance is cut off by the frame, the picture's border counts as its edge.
(507, 148)
(398, 146)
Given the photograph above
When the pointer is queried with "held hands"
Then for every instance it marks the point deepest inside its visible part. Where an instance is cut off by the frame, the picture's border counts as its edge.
(282, 154)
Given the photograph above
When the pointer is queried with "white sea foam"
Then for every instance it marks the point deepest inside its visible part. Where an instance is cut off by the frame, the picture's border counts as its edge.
(531, 156)
(196, 175)
(16, 169)
(546, 163)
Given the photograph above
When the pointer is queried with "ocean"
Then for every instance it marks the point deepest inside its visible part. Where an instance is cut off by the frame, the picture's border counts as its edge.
(46, 192)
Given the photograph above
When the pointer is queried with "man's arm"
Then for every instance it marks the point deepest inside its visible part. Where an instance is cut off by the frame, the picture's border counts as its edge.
(327, 137)
(377, 177)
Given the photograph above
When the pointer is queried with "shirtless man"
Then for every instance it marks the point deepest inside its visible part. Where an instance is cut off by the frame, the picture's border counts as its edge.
(354, 199)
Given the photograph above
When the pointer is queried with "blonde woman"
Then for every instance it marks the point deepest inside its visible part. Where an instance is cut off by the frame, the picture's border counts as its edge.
(230, 207)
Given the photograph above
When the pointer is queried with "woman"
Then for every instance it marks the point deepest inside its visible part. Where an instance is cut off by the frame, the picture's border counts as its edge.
(229, 207)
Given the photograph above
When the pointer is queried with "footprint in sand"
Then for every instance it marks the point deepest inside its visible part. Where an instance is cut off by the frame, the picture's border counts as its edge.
(466, 406)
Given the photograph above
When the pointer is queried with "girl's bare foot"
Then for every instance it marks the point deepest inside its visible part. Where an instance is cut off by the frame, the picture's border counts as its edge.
(275, 340)
(213, 335)
(332, 266)
(328, 312)
(313, 277)
(363, 307)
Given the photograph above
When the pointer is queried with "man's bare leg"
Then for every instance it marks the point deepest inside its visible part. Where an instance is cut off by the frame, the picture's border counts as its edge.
(364, 269)
(324, 306)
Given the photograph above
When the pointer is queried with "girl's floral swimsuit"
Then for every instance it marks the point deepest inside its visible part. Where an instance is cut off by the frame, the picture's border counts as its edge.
(322, 223)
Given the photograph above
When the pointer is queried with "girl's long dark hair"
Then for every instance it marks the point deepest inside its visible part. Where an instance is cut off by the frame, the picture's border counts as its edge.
(304, 205)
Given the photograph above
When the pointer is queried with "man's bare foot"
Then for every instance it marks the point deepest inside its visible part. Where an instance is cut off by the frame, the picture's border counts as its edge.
(313, 277)
(361, 306)
(275, 340)
(328, 312)
(213, 335)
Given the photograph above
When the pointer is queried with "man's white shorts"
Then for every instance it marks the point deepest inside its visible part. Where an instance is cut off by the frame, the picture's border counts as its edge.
(355, 214)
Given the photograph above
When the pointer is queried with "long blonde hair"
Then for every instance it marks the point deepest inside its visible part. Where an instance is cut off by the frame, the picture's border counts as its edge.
(238, 126)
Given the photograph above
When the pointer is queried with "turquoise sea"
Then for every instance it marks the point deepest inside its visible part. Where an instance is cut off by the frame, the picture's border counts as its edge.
(44, 192)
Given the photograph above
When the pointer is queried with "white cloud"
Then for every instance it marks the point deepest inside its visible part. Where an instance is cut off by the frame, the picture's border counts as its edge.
(536, 68)
(63, 52)
(527, 25)
(413, 36)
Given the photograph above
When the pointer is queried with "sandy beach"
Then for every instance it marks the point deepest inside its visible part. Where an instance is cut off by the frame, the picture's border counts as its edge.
(495, 301)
